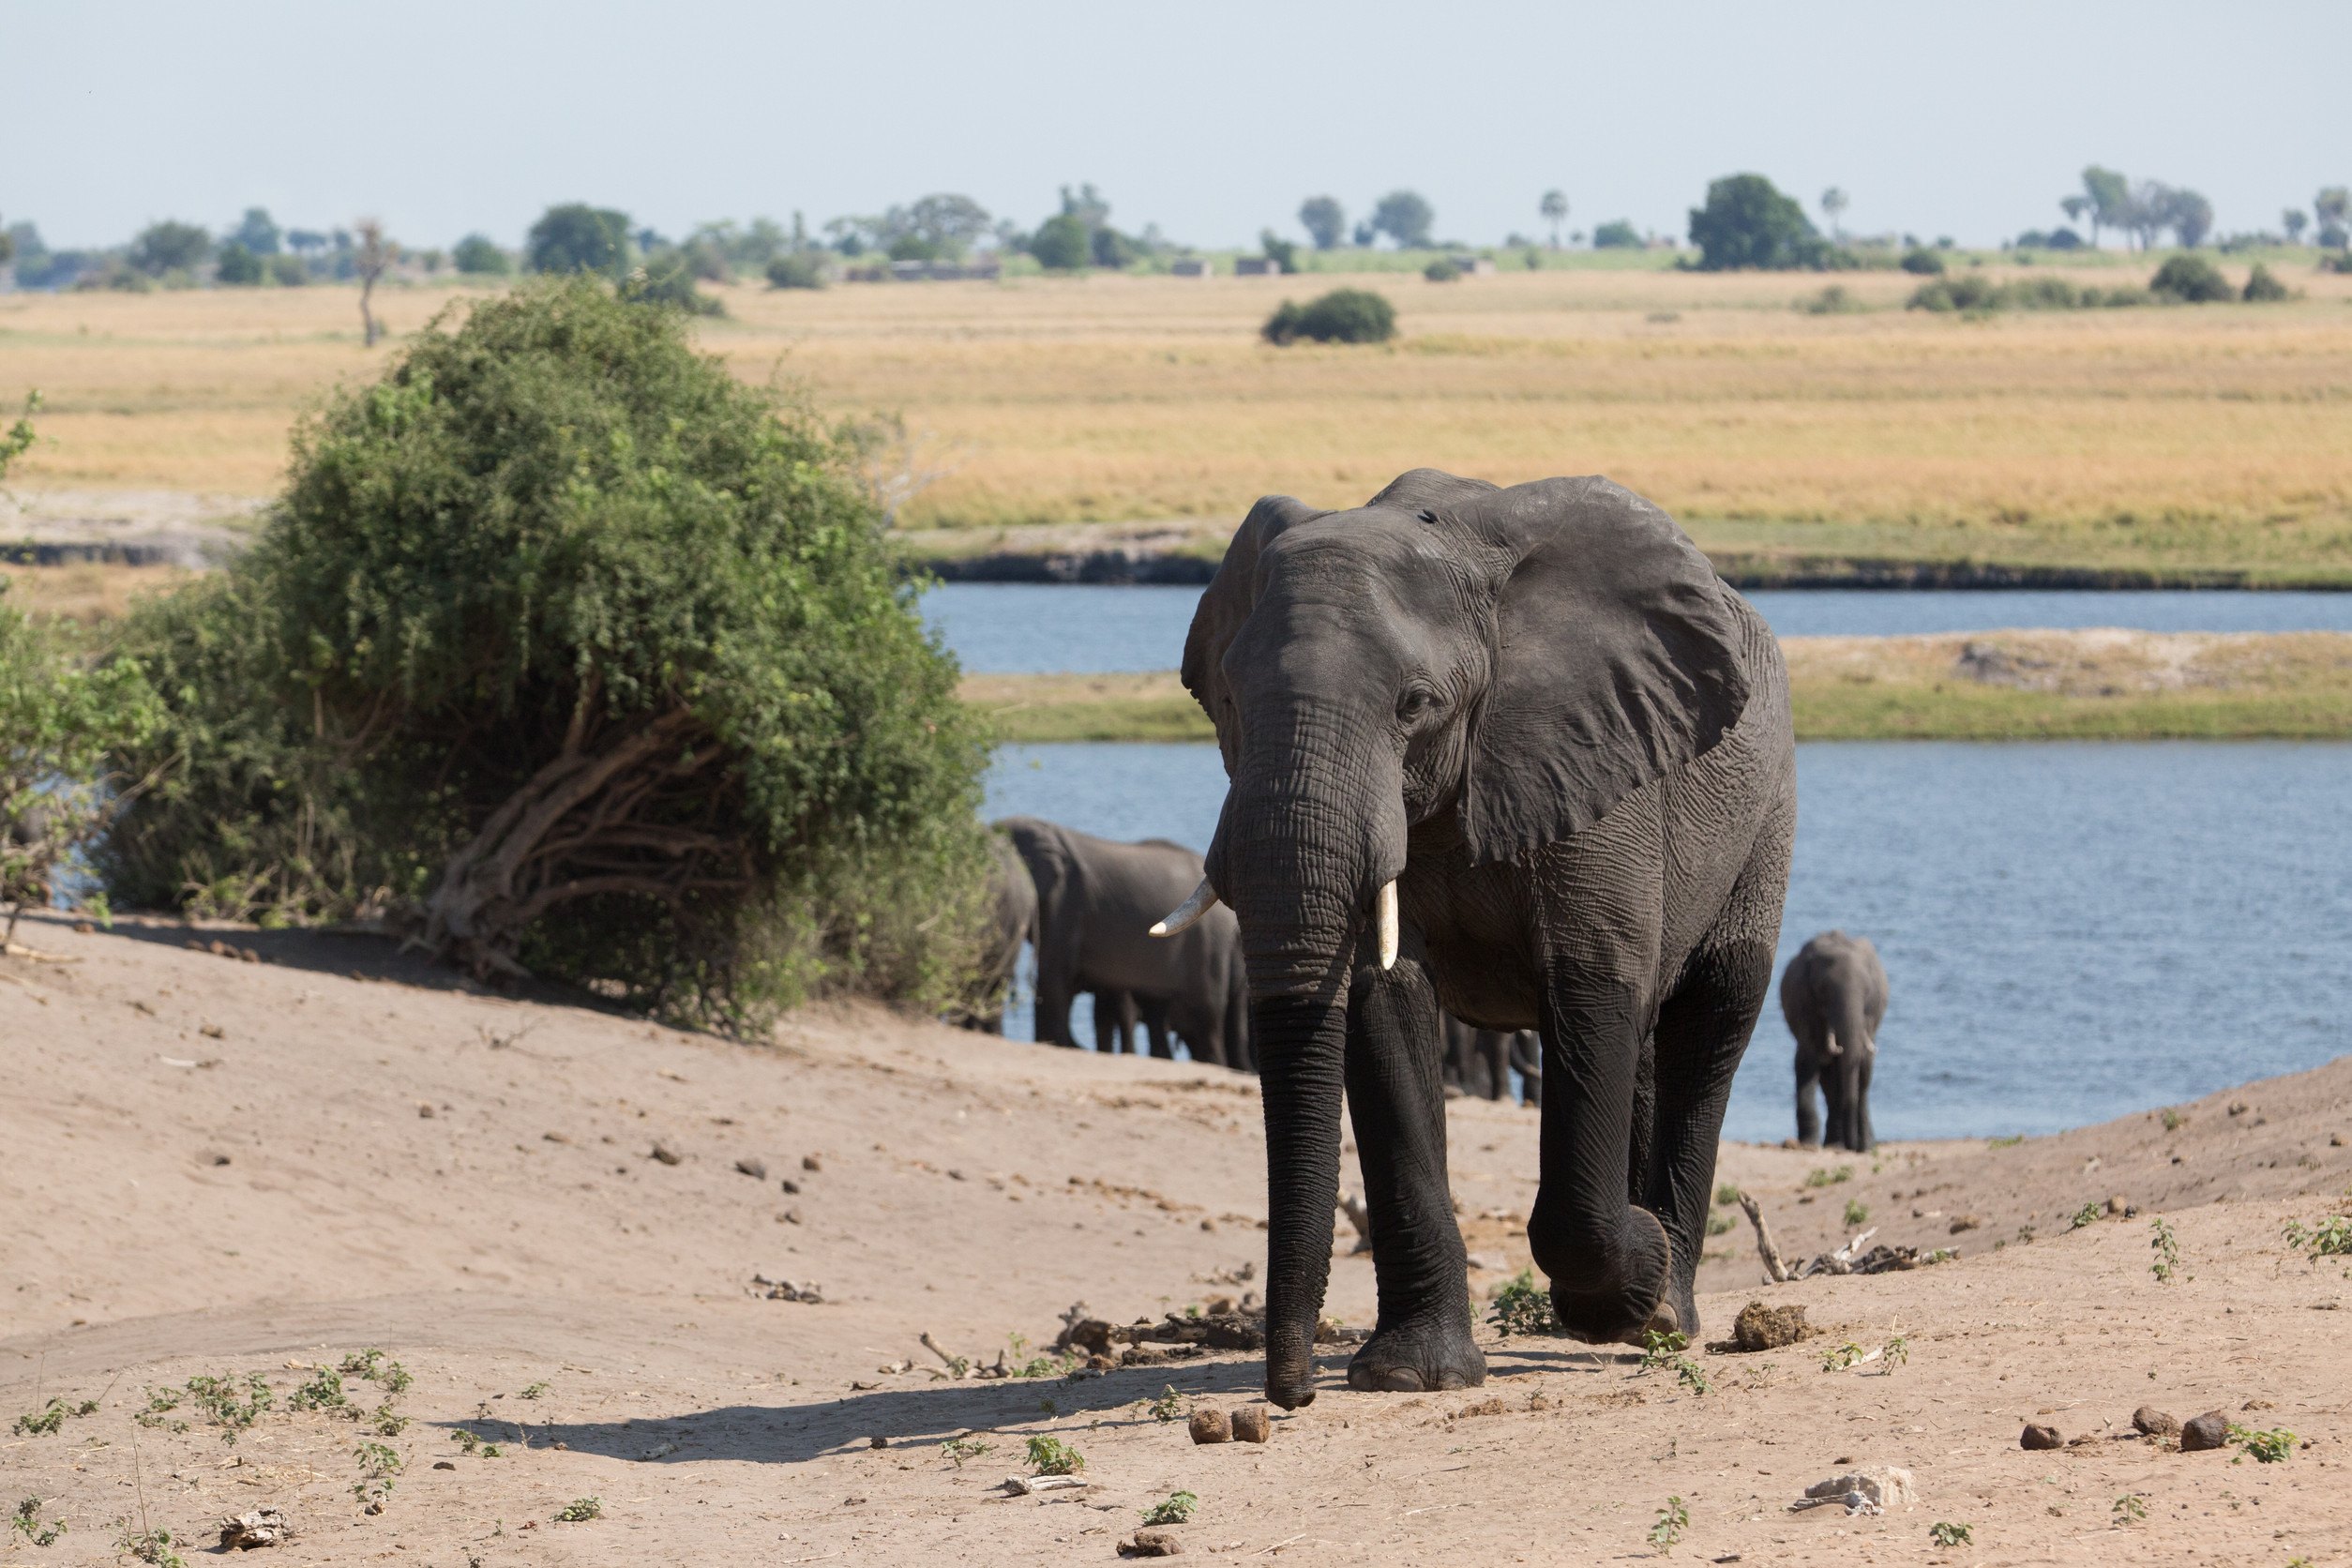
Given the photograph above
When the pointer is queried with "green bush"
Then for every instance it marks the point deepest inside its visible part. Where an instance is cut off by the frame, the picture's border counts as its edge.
(1835, 300)
(1061, 243)
(2191, 281)
(576, 237)
(288, 272)
(1968, 292)
(1925, 262)
(581, 658)
(667, 276)
(1341, 316)
(799, 270)
(1441, 271)
(2047, 294)
(1282, 253)
(1113, 249)
(1748, 224)
(476, 256)
(2263, 287)
(239, 269)
(168, 246)
(1617, 234)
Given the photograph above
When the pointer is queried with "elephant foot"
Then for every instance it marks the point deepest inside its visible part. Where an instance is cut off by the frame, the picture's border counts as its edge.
(1628, 1299)
(1423, 1357)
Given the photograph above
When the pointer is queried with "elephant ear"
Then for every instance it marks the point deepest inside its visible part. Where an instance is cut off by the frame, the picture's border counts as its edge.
(1227, 602)
(1617, 659)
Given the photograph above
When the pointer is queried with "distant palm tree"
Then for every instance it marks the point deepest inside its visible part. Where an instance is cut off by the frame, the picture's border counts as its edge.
(1833, 204)
(1554, 207)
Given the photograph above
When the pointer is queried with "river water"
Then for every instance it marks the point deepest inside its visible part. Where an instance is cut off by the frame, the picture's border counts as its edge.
(2071, 930)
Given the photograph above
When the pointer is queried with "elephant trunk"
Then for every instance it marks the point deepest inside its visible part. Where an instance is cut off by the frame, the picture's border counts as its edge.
(1301, 1049)
(1852, 1065)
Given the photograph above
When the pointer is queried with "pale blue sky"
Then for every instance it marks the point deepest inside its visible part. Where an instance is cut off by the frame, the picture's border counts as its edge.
(1212, 118)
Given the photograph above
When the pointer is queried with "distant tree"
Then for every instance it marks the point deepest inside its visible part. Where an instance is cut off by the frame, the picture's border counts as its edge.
(798, 270)
(1554, 209)
(1062, 242)
(1087, 206)
(2333, 207)
(1833, 204)
(1616, 235)
(664, 276)
(1364, 235)
(304, 241)
(1113, 248)
(2192, 280)
(2189, 216)
(477, 256)
(1924, 263)
(23, 240)
(371, 258)
(2076, 209)
(2110, 197)
(949, 222)
(2263, 287)
(1442, 270)
(169, 247)
(239, 269)
(576, 237)
(1341, 316)
(1324, 221)
(7, 244)
(1748, 224)
(289, 272)
(255, 231)
(2296, 220)
(1280, 251)
(1405, 217)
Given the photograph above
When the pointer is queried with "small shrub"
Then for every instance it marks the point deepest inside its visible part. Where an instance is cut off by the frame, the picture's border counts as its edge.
(1941, 1254)
(1341, 316)
(1818, 1177)
(1967, 293)
(1441, 271)
(1897, 1352)
(219, 1397)
(1846, 1355)
(2330, 1237)
(1520, 1305)
(1726, 1195)
(963, 1449)
(387, 1423)
(2263, 287)
(2010, 1142)
(1052, 1457)
(2174, 1120)
(579, 1510)
(1718, 1223)
(1923, 262)
(2191, 281)
(324, 1392)
(476, 256)
(2048, 294)
(1170, 1406)
(2130, 1509)
(1945, 1534)
(2087, 1214)
(1835, 300)
(2264, 1448)
(239, 269)
(1673, 1519)
(800, 270)
(532, 1391)
(1176, 1510)
(2168, 1249)
(27, 1519)
(2125, 297)
(1857, 1213)
(44, 1422)
(148, 1545)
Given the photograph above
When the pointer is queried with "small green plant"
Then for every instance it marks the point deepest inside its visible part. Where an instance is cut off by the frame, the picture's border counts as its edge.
(467, 1443)
(231, 1407)
(27, 1520)
(962, 1450)
(2168, 1249)
(1945, 1534)
(1718, 1222)
(1821, 1177)
(148, 1545)
(532, 1391)
(1523, 1307)
(1050, 1455)
(1176, 1510)
(580, 1511)
(2264, 1448)
(1897, 1352)
(1658, 1350)
(2010, 1142)
(1843, 1357)
(1941, 1255)
(2130, 1509)
(2087, 1214)
(1726, 1195)
(386, 1421)
(1857, 1213)
(1170, 1406)
(324, 1392)
(1673, 1519)
(42, 1423)
(2174, 1120)
(379, 1459)
(2330, 1237)
(2025, 1234)
(373, 1366)
(492, 1450)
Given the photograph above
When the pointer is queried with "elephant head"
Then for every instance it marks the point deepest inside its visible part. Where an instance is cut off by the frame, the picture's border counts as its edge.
(1502, 664)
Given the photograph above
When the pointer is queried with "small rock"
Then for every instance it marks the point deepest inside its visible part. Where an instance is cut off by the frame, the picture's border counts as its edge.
(1208, 1225)
(790, 1186)
(2335, 1140)
(425, 1110)
(666, 1154)
(1863, 1491)
(1493, 1262)
(83, 929)
(1209, 1424)
(2040, 1436)
(260, 1527)
(2208, 1431)
(1157, 1543)
(2154, 1423)
(1768, 1328)
(878, 1442)
(219, 949)
(810, 1161)
(1253, 1424)
(1966, 1222)
(2119, 1204)
(2258, 1404)
(779, 1289)
(754, 1168)
(249, 956)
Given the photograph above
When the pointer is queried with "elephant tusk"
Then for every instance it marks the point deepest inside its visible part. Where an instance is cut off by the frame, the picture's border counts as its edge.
(1831, 1047)
(1203, 899)
(1387, 909)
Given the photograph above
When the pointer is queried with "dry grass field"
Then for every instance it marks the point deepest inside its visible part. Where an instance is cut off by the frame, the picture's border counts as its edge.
(2209, 438)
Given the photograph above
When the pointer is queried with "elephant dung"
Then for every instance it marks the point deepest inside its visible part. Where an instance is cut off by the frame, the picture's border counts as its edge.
(1209, 1424)
(1155, 1542)
(1253, 1424)
(259, 1527)
(1966, 1222)
(1864, 1491)
(2208, 1431)
(2040, 1436)
(1768, 1328)
(2154, 1423)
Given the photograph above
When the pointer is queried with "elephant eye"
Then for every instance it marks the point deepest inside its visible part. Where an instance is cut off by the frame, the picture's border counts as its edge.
(1416, 702)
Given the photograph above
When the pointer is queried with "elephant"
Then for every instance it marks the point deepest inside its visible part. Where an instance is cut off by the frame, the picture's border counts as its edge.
(1520, 754)
(1095, 901)
(1479, 1062)
(1834, 994)
(1015, 923)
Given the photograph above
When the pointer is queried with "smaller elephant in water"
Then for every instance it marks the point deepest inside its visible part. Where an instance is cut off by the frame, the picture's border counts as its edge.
(1834, 994)
(1015, 923)
(1479, 1062)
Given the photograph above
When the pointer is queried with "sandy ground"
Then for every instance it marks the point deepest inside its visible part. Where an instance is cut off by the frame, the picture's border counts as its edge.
(217, 1168)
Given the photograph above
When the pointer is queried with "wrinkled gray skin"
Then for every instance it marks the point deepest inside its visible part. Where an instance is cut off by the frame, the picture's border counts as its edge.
(1096, 900)
(1015, 922)
(1478, 1061)
(1833, 994)
(1538, 711)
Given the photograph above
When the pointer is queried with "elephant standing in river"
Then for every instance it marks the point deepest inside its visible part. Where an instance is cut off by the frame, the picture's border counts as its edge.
(1520, 754)
(1015, 923)
(1479, 1062)
(1096, 900)
(1833, 994)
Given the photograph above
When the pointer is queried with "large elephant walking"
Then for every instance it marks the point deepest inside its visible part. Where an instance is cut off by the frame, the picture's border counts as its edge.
(1520, 753)
(1833, 994)
(1096, 900)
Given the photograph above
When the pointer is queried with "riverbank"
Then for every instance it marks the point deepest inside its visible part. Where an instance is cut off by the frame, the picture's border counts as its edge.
(2099, 685)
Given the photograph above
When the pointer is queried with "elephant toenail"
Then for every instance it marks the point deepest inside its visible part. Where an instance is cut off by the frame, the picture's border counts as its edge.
(1452, 1380)
(1400, 1380)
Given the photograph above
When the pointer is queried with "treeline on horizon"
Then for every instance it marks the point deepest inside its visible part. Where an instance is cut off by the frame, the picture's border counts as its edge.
(1745, 223)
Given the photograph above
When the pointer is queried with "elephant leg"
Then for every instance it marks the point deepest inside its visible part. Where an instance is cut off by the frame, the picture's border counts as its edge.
(1808, 1112)
(1702, 1033)
(1397, 1099)
(1110, 1029)
(1527, 1056)
(1153, 1015)
(1869, 1136)
(1053, 1009)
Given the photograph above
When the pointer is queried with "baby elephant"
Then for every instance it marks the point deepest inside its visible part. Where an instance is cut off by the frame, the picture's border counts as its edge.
(1834, 994)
